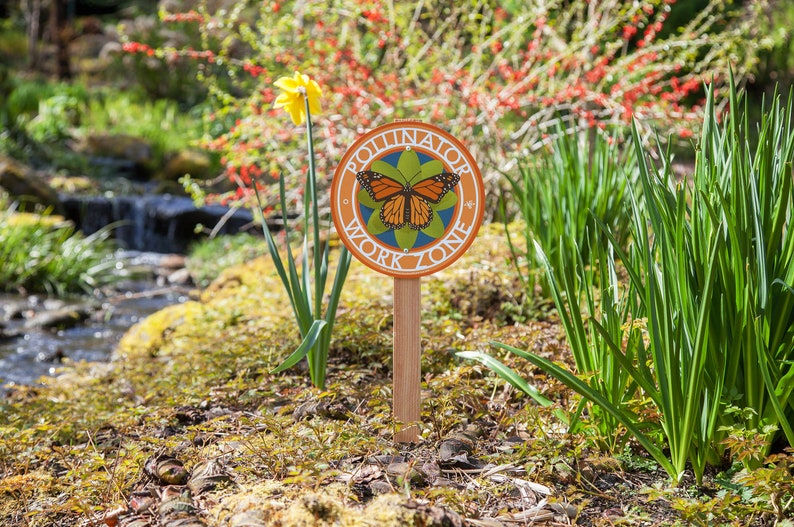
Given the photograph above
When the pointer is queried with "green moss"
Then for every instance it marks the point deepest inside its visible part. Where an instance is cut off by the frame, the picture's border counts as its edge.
(149, 336)
(193, 379)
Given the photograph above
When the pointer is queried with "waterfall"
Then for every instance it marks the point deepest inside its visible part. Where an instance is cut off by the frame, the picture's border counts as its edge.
(153, 223)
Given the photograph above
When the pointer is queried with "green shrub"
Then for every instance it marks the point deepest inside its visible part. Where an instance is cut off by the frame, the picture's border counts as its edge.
(55, 118)
(13, 42)
(28, 99)
(161, 122)
(44, 115)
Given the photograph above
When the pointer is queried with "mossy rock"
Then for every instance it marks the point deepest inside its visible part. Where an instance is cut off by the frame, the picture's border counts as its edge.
(119, 146)
(89, 45)
(51, 221)
(193, 162)
(73, 184)
(149, 335)
(128, 151)
(25, 186)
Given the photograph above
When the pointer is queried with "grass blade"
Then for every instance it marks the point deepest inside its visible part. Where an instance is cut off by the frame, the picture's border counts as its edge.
(580, 387)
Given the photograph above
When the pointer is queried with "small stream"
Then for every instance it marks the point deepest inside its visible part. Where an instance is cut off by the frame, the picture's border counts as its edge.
(31, 352)
(158, 223)
(148, 230)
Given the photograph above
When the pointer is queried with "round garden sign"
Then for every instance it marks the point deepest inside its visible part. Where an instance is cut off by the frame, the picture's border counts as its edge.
(407, 199)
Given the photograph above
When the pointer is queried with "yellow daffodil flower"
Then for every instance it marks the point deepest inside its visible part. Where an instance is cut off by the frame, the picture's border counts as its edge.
(294, 89)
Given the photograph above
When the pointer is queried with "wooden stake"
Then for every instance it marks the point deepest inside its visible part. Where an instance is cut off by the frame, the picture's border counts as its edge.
(407, 398)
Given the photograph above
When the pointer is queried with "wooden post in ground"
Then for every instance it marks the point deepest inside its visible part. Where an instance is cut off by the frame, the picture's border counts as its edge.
(407, 359)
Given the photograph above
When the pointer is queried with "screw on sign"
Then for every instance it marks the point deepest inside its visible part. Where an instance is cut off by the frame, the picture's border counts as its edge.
(407, 200)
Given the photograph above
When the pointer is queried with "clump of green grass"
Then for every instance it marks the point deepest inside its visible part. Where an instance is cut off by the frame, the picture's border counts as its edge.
(43, 116)
(43, 253)
(209, 257)
(161, 121)
(700, 330)
(576, 182)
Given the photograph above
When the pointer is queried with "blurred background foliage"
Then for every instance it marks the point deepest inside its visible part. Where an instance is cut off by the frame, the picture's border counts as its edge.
(18, 20)
(184, 73)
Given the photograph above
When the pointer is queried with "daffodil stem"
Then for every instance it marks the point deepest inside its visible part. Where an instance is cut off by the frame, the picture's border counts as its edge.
(312, 185)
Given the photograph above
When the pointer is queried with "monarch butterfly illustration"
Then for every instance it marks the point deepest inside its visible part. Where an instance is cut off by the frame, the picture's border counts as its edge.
(406, 204)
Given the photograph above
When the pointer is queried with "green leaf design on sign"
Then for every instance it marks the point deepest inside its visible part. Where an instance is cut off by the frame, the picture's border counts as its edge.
(450, 199)
(367, 201)
(382, 167)
(409, 167)
(430, 169)
(436, 227)
(375, 225)
(406, 237)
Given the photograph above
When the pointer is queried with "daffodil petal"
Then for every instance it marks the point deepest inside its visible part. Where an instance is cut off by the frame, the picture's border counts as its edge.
(282, 100)
(296, 113)
(296, 91)
(314, 107)
(313, 91)
(286, 84)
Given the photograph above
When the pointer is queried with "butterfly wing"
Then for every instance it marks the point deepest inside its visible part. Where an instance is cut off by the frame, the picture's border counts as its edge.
(434, 188)
(420, 214)
(378, 186)
(393, 212)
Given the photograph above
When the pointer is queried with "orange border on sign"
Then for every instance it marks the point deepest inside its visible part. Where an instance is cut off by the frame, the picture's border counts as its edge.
(459, 232)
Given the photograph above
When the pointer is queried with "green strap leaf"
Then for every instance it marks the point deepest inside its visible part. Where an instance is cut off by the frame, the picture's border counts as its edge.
(308, 342)
(583, 389)
(505, 373)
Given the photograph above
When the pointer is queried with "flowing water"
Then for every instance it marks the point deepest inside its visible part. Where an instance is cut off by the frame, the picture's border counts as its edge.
(41, 351)
(150, 226)
(155, 223)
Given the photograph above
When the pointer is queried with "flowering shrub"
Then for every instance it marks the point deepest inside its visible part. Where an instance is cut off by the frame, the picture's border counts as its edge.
(499, 76)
